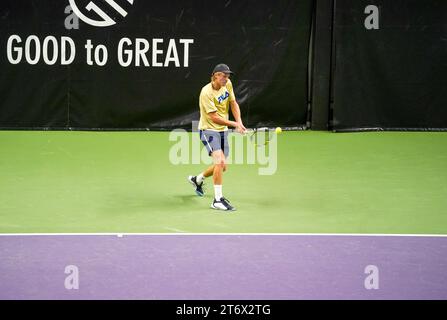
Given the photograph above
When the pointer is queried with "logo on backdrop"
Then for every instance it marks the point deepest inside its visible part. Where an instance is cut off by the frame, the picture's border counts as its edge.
(109, 12)
(130, 52)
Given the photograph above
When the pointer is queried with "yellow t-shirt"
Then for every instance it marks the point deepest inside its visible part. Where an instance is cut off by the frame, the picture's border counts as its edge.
(215, 101)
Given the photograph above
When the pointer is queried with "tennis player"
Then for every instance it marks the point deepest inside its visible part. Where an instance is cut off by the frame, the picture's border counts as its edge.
(216, 99)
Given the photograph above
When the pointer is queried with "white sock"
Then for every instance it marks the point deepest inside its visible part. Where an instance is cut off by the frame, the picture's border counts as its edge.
(218, 192)
(200, 178)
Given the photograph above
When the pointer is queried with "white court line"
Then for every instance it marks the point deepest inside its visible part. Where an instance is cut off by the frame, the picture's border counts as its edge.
(176, 230)
(225, 234)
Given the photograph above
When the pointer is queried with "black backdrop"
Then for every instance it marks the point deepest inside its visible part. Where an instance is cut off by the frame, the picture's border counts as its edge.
(394, 77)
(265, 42)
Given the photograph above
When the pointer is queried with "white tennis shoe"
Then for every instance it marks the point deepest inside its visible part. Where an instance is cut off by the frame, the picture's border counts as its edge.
(223, 204)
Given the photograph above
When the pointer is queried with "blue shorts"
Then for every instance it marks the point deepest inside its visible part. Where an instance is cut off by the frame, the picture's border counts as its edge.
(215, 140)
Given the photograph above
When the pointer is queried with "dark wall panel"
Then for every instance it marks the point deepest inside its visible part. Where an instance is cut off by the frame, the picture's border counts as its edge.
(265, 42)
(394, 77)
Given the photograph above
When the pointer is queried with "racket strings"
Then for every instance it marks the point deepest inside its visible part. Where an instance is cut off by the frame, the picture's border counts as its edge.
(261, 136)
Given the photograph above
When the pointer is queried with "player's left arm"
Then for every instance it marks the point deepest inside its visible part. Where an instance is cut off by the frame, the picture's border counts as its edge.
(235, 110)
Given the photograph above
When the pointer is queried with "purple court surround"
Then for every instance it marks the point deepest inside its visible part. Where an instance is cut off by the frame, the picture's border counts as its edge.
(236, 267)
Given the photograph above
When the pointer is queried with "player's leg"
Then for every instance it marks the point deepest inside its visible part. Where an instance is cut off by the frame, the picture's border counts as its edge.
(198, 181)
(211, 141)
(208, 172)
(220, 165)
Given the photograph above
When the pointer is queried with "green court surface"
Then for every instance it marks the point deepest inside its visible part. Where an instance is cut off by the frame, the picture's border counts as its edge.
(375, 182)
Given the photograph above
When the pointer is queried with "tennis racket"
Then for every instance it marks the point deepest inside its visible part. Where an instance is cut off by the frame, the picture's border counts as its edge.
(260, 136)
